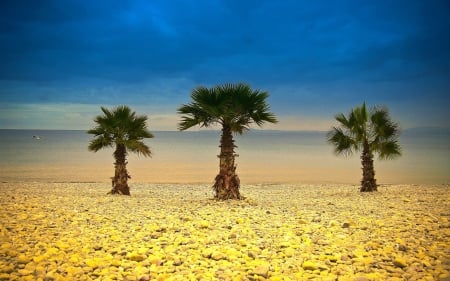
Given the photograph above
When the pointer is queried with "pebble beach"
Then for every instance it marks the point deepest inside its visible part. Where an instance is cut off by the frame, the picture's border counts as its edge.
(74, 231)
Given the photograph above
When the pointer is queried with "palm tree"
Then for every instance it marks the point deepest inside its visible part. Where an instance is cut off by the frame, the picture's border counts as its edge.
(369, 131)
(234, 107)
(126, 130)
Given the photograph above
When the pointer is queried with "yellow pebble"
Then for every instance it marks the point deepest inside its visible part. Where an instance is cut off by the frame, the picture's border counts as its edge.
(136, 257)
(309, 265)
(289, 252)
(38, 259)
(400, 262)
(23, 259)
(204, 224)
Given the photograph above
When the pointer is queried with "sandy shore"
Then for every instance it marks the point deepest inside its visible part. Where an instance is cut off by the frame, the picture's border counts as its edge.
(73, 231)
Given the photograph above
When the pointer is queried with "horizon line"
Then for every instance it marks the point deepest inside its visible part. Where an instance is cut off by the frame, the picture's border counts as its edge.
(218, 129)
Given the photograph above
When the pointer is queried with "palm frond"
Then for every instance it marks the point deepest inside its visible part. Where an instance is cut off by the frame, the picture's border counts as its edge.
(382, 124)
(194, 115)
(388, 150)
(373, 126)
(385, 134)
(233, 105)
(99, 143)
(358, 122)
(139, 147)
(343, 143)
(342, 119)
(120, 126)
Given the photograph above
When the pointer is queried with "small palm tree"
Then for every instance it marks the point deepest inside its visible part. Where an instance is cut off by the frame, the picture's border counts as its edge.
(126, 130)
(234, 107)
(369, 132)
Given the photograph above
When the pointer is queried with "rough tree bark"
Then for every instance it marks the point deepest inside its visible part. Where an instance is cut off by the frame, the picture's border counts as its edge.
(227, 182)
(121, 176)
(368, 182)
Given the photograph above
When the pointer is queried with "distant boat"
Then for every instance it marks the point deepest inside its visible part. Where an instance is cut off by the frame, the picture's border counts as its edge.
(36, 137)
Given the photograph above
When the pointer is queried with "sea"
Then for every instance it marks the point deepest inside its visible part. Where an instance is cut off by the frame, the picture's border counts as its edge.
(263, 156)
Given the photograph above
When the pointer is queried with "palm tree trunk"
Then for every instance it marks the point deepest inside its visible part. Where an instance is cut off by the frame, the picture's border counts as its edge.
(120, 179)
(368, 183)
(227, 182)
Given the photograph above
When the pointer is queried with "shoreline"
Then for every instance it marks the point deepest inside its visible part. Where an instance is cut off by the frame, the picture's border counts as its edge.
(194, 174)
(270, 157)
(205, 183)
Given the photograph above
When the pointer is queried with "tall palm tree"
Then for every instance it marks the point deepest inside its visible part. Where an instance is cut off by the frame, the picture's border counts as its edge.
(122, 128)
(369, 131)
(234, 107)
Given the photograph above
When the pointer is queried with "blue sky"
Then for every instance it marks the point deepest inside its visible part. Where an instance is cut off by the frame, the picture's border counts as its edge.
(62, 60)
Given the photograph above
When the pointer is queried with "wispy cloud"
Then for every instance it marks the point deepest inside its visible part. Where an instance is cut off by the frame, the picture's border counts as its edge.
(313, 57)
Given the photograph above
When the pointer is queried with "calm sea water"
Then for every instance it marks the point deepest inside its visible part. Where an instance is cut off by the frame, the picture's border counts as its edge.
(264, 156)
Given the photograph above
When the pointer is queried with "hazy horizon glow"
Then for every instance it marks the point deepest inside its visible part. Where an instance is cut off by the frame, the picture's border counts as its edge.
(62, 60)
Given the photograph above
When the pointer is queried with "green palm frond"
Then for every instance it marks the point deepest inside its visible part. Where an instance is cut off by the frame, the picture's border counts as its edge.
(233, 105)
(138, 147)
(385, 134)
(358, 123)
(201, 111)
(122, 126)
(388, 149)
(383, 127)
(99, 143)
(343, 143)
(342, 119)
(373, 126)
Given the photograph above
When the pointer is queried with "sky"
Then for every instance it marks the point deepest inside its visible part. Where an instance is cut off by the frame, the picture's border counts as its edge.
(62, 60)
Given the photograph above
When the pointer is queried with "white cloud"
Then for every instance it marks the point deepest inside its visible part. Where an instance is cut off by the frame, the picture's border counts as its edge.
(300, 123)
(46, 116)
(61, 116)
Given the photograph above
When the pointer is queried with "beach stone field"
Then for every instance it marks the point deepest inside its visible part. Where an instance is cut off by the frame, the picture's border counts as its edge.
(74, 231)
